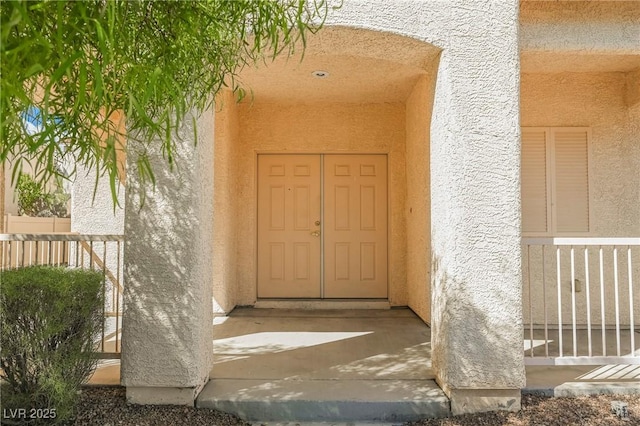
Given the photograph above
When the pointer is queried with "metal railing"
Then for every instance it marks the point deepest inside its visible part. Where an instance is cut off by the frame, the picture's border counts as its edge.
(96, 252)
(581, 300)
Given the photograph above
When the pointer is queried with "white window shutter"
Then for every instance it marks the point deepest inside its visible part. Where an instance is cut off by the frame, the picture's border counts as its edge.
(571, 180)
(534, 180)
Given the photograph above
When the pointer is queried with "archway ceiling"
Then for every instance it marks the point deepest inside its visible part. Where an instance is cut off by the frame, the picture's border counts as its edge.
(364, 67)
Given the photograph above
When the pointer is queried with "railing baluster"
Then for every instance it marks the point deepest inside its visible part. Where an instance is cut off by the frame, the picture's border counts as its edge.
(104, 287)
(602, 304)
(559, 284)
(573, 302)
(22, 254)
(530, 301)
(587, 284)
(631, 320)
(117, 291)
(544, 304)
(616, 297)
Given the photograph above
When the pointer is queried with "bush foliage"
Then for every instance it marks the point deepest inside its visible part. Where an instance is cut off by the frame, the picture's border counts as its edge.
(34, 200)
(80, 62)
(49, 320)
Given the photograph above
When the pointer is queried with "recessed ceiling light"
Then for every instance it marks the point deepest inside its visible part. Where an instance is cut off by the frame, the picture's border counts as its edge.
(320, 74)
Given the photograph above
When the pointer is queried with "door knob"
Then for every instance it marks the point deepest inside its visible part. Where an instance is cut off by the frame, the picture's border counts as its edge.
(316, 233)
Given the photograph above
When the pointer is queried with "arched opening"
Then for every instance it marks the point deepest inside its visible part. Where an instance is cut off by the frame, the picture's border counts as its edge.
(356, 93)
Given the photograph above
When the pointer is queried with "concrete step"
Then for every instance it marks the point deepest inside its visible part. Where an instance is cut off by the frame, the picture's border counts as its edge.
(326, 400)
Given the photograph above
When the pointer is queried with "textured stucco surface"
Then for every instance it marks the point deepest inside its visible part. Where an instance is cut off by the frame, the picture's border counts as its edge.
(418, 207)
(600, 101)
(320, 128)
(473, 175)
(595, 100)
(9, 198)
(168, 269)
(363, 67)
(475, 204)
(632, 91)
(588, 27)
(225, 222)
(96, 214)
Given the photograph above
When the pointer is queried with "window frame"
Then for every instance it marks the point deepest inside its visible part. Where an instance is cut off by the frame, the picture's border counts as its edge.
(551, 179)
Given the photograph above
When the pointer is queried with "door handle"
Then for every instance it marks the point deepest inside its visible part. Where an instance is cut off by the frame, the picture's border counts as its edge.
(316, 233)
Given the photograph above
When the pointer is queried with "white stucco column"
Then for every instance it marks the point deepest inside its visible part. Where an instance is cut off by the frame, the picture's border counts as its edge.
(475, 214)
(167, 329)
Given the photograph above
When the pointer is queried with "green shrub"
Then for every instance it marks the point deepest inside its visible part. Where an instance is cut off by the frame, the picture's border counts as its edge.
(34, 200)
(49, 320)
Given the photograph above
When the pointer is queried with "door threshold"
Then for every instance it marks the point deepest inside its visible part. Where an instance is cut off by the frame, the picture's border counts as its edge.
(315, 304)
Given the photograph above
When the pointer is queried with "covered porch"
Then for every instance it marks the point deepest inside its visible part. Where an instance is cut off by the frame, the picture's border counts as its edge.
(323, 365)
(284, 364)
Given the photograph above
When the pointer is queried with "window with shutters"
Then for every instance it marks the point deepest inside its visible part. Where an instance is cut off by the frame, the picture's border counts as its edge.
(555, 180)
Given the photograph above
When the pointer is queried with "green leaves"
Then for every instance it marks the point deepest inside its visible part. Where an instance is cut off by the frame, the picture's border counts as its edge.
(156, 61)
(49, 320)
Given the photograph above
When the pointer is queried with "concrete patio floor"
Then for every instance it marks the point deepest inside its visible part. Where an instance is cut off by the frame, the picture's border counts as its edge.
(323, 365)
(358, 365)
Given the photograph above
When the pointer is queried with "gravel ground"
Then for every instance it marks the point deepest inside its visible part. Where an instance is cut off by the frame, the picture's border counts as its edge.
(546, 411)
(106, 406)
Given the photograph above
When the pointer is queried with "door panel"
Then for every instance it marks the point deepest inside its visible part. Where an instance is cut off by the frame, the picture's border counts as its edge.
(288, 207)
(355, 228)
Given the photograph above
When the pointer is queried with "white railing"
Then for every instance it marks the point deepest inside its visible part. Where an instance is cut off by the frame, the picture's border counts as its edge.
(96, 252)
(581, 300)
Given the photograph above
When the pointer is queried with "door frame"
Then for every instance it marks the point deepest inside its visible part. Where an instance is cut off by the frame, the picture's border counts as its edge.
(321, 153)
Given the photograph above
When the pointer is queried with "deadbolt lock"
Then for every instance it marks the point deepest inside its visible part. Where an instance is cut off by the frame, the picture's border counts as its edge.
(317, 223)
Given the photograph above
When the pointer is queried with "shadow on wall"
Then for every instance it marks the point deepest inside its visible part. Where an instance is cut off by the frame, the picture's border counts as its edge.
(167, 319)
(470, 348)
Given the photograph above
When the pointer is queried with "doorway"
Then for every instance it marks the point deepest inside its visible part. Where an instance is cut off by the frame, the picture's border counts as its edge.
(322, 226)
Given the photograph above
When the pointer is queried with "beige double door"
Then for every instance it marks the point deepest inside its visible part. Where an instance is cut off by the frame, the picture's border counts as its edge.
(322, 226)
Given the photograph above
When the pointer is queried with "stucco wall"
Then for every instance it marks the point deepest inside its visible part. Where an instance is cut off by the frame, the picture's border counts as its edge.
(166, 342)
(475, 204)
(418, 206)
(225, 206)
(10, 199)
(632, 92)
(599, 101)
(320, 128)
(96, 214)
(590, 26)
(475, 212)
